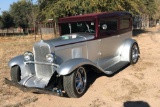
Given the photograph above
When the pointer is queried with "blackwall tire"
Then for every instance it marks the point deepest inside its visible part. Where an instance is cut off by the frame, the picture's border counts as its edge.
(134, 54)
(15, 74)
(75, 84)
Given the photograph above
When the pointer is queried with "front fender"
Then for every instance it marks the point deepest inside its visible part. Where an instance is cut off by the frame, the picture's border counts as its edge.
(70, 65)
(19, 60)
(25, 69)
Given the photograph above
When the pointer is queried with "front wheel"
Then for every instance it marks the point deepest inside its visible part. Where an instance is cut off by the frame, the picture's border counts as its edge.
(75, 83)
(134, 54)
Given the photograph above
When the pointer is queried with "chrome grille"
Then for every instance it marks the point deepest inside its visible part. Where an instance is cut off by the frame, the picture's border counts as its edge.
(40, 52)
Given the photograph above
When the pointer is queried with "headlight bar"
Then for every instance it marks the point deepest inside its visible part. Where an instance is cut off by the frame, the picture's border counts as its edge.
(41, 63)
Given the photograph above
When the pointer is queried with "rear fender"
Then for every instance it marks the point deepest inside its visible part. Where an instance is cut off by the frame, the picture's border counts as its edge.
(70, 65)
(125, 52)
(25, 68)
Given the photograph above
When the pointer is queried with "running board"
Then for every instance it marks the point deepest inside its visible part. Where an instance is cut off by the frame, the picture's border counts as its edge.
(112, 69)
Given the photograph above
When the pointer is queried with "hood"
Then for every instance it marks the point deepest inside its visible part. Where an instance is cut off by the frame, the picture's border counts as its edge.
(69, 39)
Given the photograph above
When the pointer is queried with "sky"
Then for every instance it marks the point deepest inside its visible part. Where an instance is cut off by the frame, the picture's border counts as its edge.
(5, 4)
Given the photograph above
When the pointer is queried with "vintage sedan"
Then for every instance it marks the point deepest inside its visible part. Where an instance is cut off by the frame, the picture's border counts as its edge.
(100, 42)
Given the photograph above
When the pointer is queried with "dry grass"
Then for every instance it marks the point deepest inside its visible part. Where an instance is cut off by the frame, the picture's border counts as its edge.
(16, 45)
(9, 48)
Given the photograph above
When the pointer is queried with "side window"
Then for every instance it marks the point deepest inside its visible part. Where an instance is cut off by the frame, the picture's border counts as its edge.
(124, 23)
(108, 25)
(65, 28)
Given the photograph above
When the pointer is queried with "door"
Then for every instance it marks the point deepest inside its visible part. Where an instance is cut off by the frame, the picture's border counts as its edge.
(109, 41)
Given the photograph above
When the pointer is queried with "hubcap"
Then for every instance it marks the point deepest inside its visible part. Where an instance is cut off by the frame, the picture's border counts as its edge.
(80, 80)
(135, 53)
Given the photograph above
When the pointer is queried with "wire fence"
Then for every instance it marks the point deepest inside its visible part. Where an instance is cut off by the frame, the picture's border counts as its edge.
(143, 22)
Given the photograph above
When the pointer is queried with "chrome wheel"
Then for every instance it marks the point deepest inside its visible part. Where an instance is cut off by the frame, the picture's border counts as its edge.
(80, 80)
(75, 84)
(134, 53)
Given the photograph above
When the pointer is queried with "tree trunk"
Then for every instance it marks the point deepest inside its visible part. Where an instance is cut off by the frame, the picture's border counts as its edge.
(34, 30)
(24, 30)
(40, 30)
(55, 29)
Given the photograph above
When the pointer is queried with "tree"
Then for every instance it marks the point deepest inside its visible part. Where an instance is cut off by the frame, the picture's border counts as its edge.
(33, 15)
(6, 21)
(150, 7)
(19, 11)
(1, 23)
(125, 5)
(54, 8)
(157, 15)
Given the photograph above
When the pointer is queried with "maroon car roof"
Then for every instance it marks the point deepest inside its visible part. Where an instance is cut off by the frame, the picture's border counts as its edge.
(90, 17)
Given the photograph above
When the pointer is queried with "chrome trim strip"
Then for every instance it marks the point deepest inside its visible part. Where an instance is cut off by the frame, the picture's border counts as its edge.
(42, 63)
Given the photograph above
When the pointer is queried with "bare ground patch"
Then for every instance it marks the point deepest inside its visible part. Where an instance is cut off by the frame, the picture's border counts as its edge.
(135, 83)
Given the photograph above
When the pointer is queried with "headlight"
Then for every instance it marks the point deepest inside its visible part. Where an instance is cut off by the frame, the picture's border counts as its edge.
(28, 56)
(50, 58)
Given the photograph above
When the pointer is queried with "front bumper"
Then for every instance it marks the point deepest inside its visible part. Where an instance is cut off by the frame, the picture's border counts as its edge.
(33, 90)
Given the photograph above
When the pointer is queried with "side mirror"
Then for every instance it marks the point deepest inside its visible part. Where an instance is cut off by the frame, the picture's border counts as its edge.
(104, 26)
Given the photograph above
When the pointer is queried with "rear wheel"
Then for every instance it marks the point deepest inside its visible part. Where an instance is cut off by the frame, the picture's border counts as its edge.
(15, 73)
(75, 83)
(134, 54)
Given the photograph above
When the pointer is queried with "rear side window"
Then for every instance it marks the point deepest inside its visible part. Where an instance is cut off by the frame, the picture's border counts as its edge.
(109, 25)
(124, 23)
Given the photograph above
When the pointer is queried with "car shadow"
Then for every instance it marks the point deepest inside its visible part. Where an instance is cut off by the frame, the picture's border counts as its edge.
(136, 104)
(137, 32)
(92, 76)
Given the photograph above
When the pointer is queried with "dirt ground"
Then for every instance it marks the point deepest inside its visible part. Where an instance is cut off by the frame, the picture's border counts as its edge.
(134, 86)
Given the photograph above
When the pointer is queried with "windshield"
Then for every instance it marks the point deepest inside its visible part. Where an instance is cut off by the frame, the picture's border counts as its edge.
(75, 27)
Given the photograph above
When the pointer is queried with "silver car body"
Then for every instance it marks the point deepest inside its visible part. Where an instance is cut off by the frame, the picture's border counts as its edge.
(72, 50)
